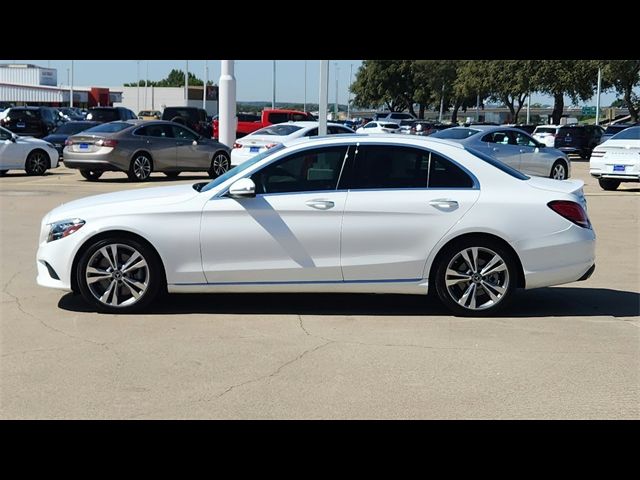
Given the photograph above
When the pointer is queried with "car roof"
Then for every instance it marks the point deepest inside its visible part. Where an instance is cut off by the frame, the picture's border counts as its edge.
(306, 124)
(374, 138)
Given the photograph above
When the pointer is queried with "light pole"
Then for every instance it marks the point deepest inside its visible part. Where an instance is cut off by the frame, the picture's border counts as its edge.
(138, 86)
(204, 89)
(598, 96)
(528, 108)
(146, 81)
(441, 104)
(186, 84)
(323, 101)
(305, 86)
(71, 86)
(478, 107)
(335, 108)
(227, 133)
(349, 90)
(273, 98)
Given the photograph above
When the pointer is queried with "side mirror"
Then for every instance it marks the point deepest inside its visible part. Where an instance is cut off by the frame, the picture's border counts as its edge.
(194, 143)
(243, 188)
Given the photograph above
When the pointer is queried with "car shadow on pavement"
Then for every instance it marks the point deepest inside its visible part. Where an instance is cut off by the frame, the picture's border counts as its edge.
(543, 302)
(153, 179)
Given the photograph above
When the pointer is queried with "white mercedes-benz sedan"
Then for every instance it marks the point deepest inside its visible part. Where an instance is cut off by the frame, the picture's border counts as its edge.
(348, 213)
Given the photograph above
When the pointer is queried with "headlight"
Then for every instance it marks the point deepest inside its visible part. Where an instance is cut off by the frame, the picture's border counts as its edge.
(64, 228)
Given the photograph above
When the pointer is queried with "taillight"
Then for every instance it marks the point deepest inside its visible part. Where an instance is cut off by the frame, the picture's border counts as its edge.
(270, 145)
(572, 211)
(237, 145)
(107, 142)
(68, 142)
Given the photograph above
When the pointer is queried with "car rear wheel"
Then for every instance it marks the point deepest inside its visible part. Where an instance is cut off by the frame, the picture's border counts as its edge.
(119, 275)
(141, 168)
(608, 183)
(219, 164)
(37, 163)
(476, 277)
(91, 175)
(172, 174)
(559, 171)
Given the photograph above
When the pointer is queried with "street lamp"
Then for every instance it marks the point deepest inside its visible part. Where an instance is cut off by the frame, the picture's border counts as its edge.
(335, 109)
(273, 99)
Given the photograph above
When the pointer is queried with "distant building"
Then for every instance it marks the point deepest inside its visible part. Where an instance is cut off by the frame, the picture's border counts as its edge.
(27, 84)
(158, 98)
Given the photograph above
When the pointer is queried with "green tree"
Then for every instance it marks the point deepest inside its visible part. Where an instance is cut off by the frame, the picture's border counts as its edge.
(574, 78)
(384, 82)
(174, 79)
(623, 76)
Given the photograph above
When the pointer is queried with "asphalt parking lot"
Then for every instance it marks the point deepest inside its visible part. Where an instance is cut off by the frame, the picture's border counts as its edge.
(571, 351)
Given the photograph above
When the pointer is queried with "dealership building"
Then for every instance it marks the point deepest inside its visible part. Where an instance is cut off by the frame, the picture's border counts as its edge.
(26, 84)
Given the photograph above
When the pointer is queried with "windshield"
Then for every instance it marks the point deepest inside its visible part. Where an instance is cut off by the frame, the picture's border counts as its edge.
(455, 133)
(240, 168)
(72, 128)
(280, 130)
(631, 133)
(103, 115)
(111, 127)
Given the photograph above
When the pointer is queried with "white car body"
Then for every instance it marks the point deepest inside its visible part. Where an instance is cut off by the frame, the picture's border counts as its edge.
(618, 158)
(258, 142)
(15, 149)
(371, 240)
(379, 126)
(546, 134)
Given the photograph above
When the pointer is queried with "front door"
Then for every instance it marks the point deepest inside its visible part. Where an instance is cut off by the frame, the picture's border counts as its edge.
(289, 233)
(190, 154)
(401, 202)
(532, 161)
(502, 145)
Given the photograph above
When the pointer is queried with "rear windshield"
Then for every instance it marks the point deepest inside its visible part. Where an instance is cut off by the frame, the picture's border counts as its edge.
(111, 127)
(171, 112)
(100, 115)
(498, 164)
(631, 133)
(455, 133)
(546, 130)
(279, 129)
(613, 129)
(23, 114)
(72, 128)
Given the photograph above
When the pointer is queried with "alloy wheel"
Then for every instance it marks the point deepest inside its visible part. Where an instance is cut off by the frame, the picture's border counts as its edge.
(559, 172)
(220, 164)
(37, 163)
(477, 278)
(117, 275)
(142, 167)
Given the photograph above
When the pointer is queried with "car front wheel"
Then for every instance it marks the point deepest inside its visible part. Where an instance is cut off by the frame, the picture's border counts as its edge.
(219, 164)
(119, 275)
(476, 277)
(37, 163)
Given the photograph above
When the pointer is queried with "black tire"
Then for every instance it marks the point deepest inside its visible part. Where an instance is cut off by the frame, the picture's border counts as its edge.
(220, 164)
(494, 290)
(558, 170)
(37, 163)
(609, 183)
(91, 175)
(119, 284)
(140, 168)
(585, 154)
(3, 173)
(172, 174)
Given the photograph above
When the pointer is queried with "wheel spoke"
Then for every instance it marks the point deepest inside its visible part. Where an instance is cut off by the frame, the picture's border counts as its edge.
(131, 284)
(140, 264)
(107, 293)
(495, 288)
(492, 295)
(114, 252)
(105, 254)
(471, 258)
(130, 260)
(454, 277)
(494, 265)
(468, 292)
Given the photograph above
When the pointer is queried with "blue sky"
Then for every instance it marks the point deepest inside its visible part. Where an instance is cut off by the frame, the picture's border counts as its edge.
(254, 77)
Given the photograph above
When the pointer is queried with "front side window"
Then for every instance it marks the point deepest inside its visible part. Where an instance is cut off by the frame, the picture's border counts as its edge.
(278, 117)
(157, 131)
(524, 140)
(316, 169)
(501, 138)
(298, 117)
(183, 133)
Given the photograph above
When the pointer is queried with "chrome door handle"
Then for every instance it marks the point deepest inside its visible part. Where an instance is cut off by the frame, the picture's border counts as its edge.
(444, 203)
(320, 204)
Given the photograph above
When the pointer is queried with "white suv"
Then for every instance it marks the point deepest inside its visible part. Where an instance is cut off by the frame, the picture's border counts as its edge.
(546, 134)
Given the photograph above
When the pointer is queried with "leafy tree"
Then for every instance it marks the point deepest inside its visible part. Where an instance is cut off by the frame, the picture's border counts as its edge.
(574, 78)
(384, 82)
(623, 76)
(174, 79)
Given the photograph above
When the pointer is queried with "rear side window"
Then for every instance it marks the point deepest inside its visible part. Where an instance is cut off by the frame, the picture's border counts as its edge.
(445, 174)
(103, 115)
(278, 117)
(298, 117)
(456, 133)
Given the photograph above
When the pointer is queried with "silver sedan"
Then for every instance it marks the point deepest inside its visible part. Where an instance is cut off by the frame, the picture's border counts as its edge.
(514, 147)
(139, 148)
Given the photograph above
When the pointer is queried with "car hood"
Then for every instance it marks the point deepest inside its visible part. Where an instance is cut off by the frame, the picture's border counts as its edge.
(59, 137)
(31, 140)
(126, 202)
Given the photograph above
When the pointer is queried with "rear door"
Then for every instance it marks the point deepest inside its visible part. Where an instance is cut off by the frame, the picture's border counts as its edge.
(401, 201)
(161, 143)
(502, 145)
